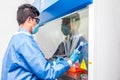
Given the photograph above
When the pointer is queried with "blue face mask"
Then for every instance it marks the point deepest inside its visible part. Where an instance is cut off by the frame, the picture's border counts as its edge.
(66, 31)
(35, 29)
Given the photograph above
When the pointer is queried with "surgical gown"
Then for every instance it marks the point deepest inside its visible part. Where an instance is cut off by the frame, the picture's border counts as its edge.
(24, 60)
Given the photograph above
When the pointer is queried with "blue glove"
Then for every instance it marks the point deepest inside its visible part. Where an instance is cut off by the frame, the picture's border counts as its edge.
(77, 52)
(59, 60)
(74, 56)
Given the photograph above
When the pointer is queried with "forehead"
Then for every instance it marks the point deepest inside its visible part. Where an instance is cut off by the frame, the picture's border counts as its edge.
(68, 19)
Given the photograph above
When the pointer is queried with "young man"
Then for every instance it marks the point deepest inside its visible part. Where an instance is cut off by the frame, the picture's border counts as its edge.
(23, 59)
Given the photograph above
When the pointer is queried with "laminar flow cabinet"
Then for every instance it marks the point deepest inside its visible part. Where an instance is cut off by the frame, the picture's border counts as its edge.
(54, 16)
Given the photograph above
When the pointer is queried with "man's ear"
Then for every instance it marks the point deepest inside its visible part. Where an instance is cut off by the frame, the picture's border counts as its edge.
(29, 19)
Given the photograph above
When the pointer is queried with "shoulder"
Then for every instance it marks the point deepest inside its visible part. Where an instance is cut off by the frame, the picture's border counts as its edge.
(19, 39)
(80, 38)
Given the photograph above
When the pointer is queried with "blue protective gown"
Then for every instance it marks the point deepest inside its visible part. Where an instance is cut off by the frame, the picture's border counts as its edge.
(24, 60)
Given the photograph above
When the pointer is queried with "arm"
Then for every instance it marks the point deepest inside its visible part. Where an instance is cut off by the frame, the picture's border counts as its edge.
(35, 60)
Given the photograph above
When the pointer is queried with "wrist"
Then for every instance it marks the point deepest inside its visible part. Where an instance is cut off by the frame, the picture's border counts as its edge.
(69, 62)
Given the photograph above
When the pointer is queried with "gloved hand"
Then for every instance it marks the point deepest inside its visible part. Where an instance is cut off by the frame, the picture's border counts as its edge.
(77, 52)
(59, 60)
(74, 56)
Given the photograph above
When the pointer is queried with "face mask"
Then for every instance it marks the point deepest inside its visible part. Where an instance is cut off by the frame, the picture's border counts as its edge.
(35, 29)
(66, 31)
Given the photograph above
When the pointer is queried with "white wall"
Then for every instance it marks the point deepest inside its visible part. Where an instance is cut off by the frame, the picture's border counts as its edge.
(8, 23)
(106, 40)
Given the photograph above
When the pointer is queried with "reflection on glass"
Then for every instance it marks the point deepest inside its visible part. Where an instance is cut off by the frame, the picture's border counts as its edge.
(70, 28)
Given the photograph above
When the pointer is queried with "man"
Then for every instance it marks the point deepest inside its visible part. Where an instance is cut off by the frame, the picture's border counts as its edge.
(23, 59)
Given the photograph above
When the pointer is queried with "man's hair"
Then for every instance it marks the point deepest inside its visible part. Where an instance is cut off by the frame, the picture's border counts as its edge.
(66, 20)
(24, 11)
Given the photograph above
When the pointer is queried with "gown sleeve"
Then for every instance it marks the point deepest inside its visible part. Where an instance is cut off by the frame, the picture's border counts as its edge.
(35, 60)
